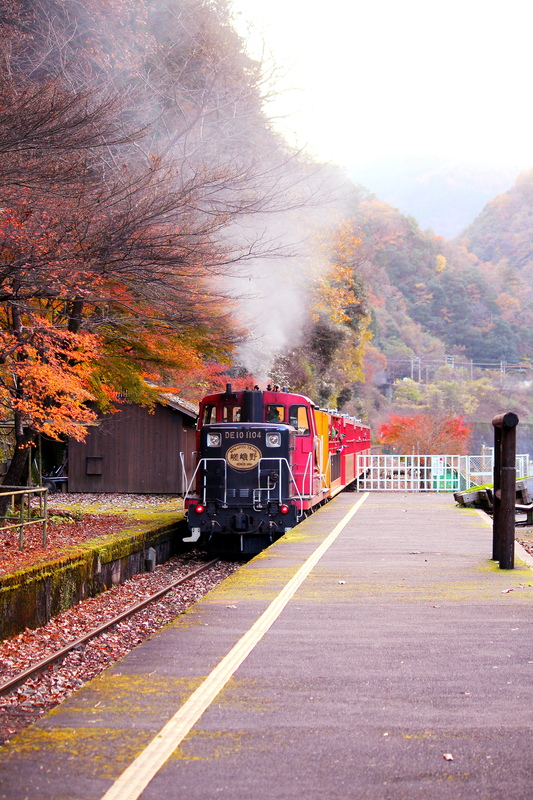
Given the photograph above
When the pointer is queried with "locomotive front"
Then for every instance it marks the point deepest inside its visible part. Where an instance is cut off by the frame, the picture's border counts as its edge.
(245, 485)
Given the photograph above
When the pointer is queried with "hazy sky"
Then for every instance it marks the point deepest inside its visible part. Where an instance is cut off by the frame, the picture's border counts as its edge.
(380, 78)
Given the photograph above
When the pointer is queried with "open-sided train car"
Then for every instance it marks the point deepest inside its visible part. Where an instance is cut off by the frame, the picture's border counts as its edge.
(266, 459)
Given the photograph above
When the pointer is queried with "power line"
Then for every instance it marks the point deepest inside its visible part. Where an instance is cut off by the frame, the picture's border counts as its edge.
(450, 361)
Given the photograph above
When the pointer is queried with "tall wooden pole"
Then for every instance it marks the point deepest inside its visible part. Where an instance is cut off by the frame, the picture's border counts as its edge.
(496, 494)
(505, 494)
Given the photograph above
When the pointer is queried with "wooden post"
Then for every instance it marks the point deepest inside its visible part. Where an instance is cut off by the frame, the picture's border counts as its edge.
(496, 494)
(505, 492)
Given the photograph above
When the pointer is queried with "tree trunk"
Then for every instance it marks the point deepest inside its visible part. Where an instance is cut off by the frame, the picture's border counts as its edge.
(75, 316)
(17, 470)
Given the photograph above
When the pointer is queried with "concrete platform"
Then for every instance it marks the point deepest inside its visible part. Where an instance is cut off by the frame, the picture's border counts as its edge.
(31, 595)
(359, 676)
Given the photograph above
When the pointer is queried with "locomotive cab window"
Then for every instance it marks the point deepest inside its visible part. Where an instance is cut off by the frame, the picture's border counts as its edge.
(274, 413)
(209, 415)
(231, 414)
(299, 419)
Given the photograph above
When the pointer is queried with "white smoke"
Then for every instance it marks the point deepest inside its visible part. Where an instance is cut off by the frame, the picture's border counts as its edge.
(275, 291)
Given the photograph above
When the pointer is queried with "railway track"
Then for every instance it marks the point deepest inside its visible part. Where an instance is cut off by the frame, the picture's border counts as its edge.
(42, 667)
(59, 655)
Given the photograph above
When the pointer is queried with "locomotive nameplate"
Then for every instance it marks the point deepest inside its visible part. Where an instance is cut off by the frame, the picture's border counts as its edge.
(243, 456)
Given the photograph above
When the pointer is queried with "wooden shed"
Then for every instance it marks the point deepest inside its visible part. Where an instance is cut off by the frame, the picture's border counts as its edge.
(136, 451)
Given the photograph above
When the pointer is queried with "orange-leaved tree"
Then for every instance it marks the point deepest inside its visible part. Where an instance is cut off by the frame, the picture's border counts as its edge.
(127, 143)
(426, 434)
(135, 156)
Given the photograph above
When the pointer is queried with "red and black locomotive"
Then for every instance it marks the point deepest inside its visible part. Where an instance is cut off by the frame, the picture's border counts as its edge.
(265, 460)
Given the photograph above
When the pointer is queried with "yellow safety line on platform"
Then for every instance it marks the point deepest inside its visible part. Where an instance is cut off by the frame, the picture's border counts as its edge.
(138, 775)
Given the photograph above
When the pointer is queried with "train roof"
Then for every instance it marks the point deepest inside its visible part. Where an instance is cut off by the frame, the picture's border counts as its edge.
(235, 394)
(276, 395)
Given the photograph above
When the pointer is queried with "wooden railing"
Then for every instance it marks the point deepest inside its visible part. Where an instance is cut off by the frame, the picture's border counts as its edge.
(25, 514)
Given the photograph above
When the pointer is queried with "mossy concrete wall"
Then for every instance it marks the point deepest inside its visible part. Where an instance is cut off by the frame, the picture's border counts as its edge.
(31, 596)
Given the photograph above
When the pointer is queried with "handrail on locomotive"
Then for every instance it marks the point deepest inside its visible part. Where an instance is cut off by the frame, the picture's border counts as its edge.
(258, 489)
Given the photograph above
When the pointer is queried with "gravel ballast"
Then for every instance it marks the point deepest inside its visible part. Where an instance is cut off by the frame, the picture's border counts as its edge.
(39, 694)
(76, 518)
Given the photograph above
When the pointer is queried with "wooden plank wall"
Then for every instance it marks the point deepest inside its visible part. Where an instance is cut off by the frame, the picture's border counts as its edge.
(133, 451)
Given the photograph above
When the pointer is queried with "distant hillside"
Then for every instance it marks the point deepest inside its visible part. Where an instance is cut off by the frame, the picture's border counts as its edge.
(441, 195)
(404, 309)
(428, 291)
(504, 229)
(472, 297)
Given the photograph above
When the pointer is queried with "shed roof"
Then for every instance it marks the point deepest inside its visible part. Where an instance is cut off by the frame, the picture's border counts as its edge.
(179, 404)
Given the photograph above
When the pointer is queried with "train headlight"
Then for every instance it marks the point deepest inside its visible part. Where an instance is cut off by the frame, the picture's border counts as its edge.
(284, 509)
(214, 439)
(199, 508)
(273, 439)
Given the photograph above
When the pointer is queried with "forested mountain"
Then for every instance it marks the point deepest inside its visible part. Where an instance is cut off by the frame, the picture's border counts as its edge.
(475, 293)
(445, 287)
(504, 229)
(453, 301)
(416, 306)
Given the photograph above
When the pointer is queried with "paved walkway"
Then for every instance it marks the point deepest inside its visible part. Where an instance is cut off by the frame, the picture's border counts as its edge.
(400, 666)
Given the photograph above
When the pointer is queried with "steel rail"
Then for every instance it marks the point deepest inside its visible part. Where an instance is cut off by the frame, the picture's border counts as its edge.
(16, 680)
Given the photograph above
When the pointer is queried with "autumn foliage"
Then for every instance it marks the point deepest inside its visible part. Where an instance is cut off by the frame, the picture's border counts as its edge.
(426, 434)
(131, 140)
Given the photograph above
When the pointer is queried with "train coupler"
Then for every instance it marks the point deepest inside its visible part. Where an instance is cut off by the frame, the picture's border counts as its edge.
(195, 535)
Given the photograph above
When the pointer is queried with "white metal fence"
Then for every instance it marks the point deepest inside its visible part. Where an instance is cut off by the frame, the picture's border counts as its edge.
(431, 473)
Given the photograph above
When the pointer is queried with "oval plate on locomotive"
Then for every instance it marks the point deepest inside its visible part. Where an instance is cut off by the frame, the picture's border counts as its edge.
(243, 456)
